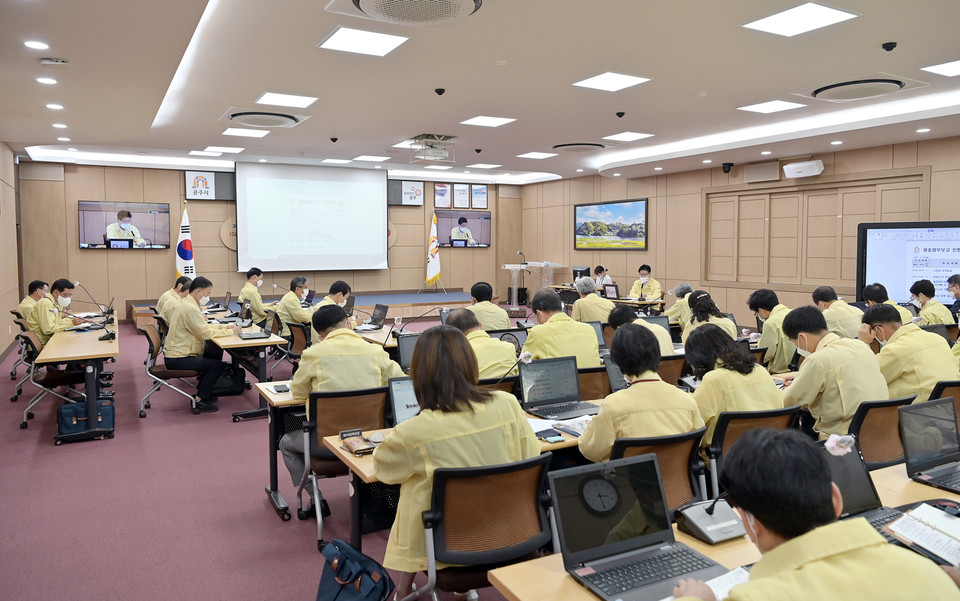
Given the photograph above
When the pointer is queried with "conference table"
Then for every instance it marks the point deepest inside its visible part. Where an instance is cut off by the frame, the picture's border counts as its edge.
(86, 348)
(285, 414)
(255, 364)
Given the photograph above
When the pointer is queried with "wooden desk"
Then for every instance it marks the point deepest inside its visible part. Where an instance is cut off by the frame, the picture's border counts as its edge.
(381, 337)
(279, 406)
(86, 348)
(256, 366)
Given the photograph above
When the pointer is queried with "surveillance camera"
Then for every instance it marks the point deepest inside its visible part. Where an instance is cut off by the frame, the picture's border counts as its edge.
(478, 150)
(440, 91)
(888, 46)
(727, 167)
(620, 114)
(334, 140)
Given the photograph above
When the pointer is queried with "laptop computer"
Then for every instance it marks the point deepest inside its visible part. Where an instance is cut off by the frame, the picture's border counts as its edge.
(376, 319)
(613, 525)
(661, 320)
(403, 401)
(615, 376)
(515, 336)
(931, 443)
(405, 344)
(119, 243)
(348, 307)
(860, 498)
(601, 341)
(550, 389)
(309, 300)
(254, 335)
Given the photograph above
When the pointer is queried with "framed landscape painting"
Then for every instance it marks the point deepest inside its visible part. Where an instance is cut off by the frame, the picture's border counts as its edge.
(619, 225)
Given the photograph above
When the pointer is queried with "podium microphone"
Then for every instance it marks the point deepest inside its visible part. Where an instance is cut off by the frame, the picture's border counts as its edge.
(523, 257)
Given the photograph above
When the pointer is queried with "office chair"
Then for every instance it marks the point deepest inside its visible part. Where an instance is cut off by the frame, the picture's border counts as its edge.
(21, 359)
(680, 467)
(46, 379)
(731, 425)
(331, 413)
(163, 328)
(507, 384)
(948, 388)
(483, 518)
(299, 341)
(160, 375)
(942, 331)
(594, 383)
(876, 427)
(671, 369)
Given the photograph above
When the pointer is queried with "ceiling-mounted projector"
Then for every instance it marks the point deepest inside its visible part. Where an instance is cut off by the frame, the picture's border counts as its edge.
(432, 147)
(803, 169)
(432, 154)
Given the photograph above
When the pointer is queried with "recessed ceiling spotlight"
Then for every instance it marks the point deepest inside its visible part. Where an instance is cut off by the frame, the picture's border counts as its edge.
(35, 45)
(378, 166)
(945, 69)
(262, 161)
(291, 100)
(537, 155)
(923, 130)
(466, 172)
(225, 149)
(800, 19)
(204, 153)
(616, 175)
(774, 106)
(72, 149)
(628, 136)
(48, 81)
(488, 121)
(579, 170)
(245, 133)
(707, 161)
(658, 168)
(765, 152)
(63, 140)
(370, 43)
(611, 82)
(836, 143)
(60, 125)
(55, 107)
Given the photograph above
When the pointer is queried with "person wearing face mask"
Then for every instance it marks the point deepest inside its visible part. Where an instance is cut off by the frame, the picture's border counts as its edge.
(462, 232)
(47, 316)
(953, 287)
(338, 294)
(646, 288)
(911, 359)
(600, 277)
(765, 305)
(932, 311)
(188, 343)
(123, 229)
(558, 335)
(702, 311)
(836, 375)
(779, 482)
(289, 310)
(876, 294)
(842, 319)
(35, 291)
(250, 293)
(680, 310)
(168, 301)
(491, 316)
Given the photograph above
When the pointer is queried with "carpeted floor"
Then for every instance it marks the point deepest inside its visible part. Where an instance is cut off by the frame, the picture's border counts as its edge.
(173, 507)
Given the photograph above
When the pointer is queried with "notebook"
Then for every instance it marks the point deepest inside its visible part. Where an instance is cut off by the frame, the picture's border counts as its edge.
(405, 344)
(515, 336)
(550, 389)
(376, 319)
(615, 533)
(860, 498)
(402, 399)
(931, 443)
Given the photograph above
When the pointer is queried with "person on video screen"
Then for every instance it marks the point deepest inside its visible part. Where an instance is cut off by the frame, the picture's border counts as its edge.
(123, 229)
(462, 232)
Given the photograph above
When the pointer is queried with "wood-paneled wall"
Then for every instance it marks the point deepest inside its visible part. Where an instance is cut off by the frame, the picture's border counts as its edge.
(9, 278)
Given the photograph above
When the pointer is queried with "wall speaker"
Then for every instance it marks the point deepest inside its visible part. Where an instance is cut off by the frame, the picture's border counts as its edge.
(804, 169)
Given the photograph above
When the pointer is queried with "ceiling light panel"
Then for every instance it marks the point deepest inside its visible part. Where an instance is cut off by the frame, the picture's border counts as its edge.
(224, 149)
(945, 69)
(48, 81)
(358, 41)
(488, 121)
(537, 155)
(204, 153)
(484, 166)
(371, 159)
(800, 19)
(611, 82)
(245, 133)
(628, 136)
(336, 161)
(438, 167)
(290, 100)
(774, 106)
(35, 45)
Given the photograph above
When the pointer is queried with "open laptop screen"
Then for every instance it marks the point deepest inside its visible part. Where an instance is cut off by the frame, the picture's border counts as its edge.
(379, 314)
(928, 431)
(614, 375)
(226, 300)
(515, 336)
(598, 328)
(607, 508)
(348, 308)
(549, 381)
(661, 320)
(851, 476)
(405, 346)
(402, 399)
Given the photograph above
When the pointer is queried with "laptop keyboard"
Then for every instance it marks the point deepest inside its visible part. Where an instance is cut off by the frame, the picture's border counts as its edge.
(562, 408)
(880, 521)
(641, 572)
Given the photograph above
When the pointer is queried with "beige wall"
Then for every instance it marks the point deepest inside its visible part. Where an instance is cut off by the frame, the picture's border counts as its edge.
(677, 212)
(49, 195)
(9, 278)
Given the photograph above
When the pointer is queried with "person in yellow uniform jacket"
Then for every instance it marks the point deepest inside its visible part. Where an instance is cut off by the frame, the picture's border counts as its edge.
(647, 407)
(495, 358)
(459, 425)
(680, 310)
(188, 346)
(289, 310)
(876, 294)
(168, 301)
(558, 335)
(462, 232)
(702, 311)
(932, 311)
(47, 317)
(911, 360)
(338, 294)
(590, 306)
(780, 351)
(337, 360)
(779, 482)
(623, 314)
(250, 295)
(730, 379)
(123, 229)
(842, 319)
(837, 374)
(491, 316)
(645, 288)
(35, 291)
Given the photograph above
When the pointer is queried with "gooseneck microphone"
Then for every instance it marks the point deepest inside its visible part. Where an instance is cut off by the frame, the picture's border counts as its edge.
(396, 334)
(525, 357)
(99, 306)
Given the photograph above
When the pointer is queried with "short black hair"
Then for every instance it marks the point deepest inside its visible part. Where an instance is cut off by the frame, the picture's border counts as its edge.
(621, 315)
(327, 316)
(954, 280)
(123, 214)
(298, 281)
(461, 221)
(807, 319)
(924, 287)
(644, 267)
(881, 313)
(200, 283)
(463, 319)
(254, 271)
(635, 350)
(35, 285)
(876, 293)
(182, 282)
(482, 291)
(824, 294)
(598, 269)
(546, 300)
(340, 287)
(782, 478)
(62, 284)
(764, 298)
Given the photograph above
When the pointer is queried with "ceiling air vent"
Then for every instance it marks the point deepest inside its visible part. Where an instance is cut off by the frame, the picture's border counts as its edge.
(579, 146)
(419, 13)
(257, 118)
(875, 85)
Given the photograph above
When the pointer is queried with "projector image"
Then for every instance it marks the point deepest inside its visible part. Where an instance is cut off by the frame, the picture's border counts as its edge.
(432, 154)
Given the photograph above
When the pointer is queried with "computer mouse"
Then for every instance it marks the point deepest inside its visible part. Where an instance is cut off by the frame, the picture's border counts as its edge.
(376, 437)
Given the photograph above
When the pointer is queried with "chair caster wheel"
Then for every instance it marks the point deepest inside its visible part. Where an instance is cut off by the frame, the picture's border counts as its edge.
(13, 399)
(236, 419)
(285, 516)
(30, 415)
(248, 385)
(195, 411)
(321, 544)
(143, 413)
(58, 442)
(23, 425)
(146, 405)
(302, 515)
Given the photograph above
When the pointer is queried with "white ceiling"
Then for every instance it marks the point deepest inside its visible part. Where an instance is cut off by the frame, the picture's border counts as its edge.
(702, 64)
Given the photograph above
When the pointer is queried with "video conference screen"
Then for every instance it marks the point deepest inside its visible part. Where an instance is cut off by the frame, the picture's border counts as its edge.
(101, 225)
(475, 233)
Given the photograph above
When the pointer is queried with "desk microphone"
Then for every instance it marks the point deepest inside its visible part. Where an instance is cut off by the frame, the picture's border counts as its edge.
(99, 306)
(396, 334)
(525, 357)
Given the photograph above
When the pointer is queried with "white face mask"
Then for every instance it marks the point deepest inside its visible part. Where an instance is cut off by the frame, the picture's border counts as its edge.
(916, 303)
(124, 225)
(800, 351)
(63, 301)
(304, 295)
(342, 303)
(644, 280)
(259, 283)
(463, 229)
(204, 300)
(751, 525)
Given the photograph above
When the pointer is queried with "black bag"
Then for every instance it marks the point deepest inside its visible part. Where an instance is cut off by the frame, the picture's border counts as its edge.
(72, 417)
(349, 575)
(232, 381)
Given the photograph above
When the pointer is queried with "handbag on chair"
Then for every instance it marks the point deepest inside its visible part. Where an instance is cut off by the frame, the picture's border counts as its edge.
(349, 575)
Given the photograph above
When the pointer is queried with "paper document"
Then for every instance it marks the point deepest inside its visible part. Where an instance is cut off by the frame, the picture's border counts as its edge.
(915, 531)
(722, 584)
(573, 427)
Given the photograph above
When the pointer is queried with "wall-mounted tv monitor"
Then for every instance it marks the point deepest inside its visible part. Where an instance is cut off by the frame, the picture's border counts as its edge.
(149, 225)
(897, 254)
(475, 233)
